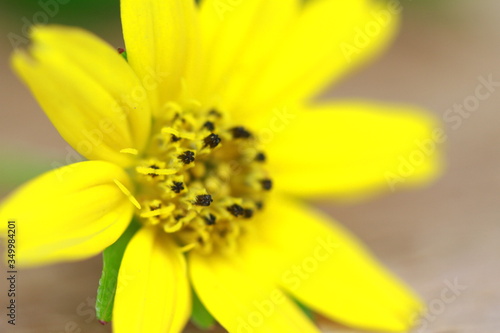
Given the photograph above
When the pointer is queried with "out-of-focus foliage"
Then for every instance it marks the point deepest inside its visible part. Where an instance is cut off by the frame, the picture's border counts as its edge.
(84, 13)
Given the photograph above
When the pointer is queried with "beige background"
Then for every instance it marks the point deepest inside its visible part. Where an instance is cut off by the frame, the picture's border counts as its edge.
(445, 232)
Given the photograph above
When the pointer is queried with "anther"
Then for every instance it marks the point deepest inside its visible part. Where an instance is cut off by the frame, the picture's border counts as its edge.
(259, 205)
(178, 217)
(177, 187)
(214, 112)
(209, 126)
(248, 213)
(186, 157)
(203, 200)
(153, 174)
(236, 210)
(240, 133)
(260, 157)
(212, 140)
(175, 138)
(154, 170)
(267, 184)
(210, 219)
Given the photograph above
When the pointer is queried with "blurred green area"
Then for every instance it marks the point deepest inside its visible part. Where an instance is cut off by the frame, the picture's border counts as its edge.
(89, 14)
(17, 168)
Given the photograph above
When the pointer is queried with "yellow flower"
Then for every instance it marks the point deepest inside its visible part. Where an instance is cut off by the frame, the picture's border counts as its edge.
(208, 137)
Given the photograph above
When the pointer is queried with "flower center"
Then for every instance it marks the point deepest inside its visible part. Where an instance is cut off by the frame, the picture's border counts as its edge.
(201, 180)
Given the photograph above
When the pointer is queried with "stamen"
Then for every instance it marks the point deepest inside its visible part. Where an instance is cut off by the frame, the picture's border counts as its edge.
(267, 184)
(214, 112)
(178, 134)
(261, 157)
(153, 174)
(155, 171)
(127, 193)
(158, 211)
(170, 130)
(194, 153)
(173, 228)
(212, 140)
(248, 213)
(209, 126)
(188, 247)
(131, 151)
(210, 219)
(186, 157)
(236, 210)
(240, 133)
(203, 200)
(177, 187)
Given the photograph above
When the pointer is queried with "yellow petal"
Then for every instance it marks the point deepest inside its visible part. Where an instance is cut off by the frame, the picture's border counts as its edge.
(238, 37)
(161, 39)
(241, 300)
(153, 294)
(265, 54)
(327, 269)
(88, 91)
(68, 214)
(351, 149)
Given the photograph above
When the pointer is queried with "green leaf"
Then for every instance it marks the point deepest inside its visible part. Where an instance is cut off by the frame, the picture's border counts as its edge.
(200, 315)
(112, 258)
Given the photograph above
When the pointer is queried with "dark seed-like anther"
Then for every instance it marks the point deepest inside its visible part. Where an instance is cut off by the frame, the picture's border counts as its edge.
(214, 112)
(178, 217)
(177, 187)
(212, 140)
(203, 200)
(260, 157)
(267, 184)
(236, 210)
(186, 157)
(248, 213)
(210, 219)
(240, 133)
(152, 174)
(175, 138)
(209, 126)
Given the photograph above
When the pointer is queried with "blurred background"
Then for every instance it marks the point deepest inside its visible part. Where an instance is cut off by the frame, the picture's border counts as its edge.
(445, 234)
